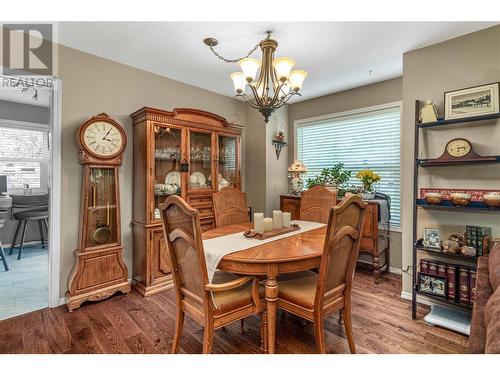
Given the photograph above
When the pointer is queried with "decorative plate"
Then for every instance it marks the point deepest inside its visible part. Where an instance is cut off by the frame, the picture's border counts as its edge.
(198, 178)
(173, 177)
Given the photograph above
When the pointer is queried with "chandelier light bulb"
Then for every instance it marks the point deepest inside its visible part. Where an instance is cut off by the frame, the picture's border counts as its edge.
(239, 82)
(297, 78)
(249, 67)
(282, 67)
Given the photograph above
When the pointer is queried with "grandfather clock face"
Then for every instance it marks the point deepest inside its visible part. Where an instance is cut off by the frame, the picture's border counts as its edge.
(104, 139)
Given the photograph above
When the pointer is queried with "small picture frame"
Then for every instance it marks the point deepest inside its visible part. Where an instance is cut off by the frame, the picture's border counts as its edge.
(433, 285)
(431, 238)
(473, 101)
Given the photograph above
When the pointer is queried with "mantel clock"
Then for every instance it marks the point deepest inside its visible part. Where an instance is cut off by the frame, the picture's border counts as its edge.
(99, 269)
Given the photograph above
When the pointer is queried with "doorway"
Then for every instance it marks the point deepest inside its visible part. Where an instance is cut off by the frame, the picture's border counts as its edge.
(29, 178)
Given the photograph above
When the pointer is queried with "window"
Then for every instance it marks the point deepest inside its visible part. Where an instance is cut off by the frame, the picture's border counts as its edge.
(24, 157)
(367, 139)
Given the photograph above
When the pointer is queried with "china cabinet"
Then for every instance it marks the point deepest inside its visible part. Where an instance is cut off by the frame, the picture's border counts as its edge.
(187, 152)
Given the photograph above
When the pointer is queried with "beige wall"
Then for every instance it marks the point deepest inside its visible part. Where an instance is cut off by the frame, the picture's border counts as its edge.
(470, 60)
(91, 85)
(276, 169)
(255, 167)
(366, 96)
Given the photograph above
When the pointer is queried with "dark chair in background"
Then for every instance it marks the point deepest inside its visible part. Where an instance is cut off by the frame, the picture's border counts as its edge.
(29, 208)
(5, 204)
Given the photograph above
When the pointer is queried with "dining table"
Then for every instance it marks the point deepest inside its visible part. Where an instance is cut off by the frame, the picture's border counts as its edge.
(296, 252)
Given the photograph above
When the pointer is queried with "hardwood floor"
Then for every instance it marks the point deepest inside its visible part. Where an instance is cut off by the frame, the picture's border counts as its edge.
(132, 324)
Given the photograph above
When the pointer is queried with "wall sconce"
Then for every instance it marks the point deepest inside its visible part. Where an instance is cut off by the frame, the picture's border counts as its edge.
(279, 143)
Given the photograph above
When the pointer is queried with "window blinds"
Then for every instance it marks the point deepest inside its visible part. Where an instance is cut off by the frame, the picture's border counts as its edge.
(24, 157)
(369, 140)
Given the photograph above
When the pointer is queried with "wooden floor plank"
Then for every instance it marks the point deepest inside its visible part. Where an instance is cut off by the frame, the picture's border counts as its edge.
(133, 324)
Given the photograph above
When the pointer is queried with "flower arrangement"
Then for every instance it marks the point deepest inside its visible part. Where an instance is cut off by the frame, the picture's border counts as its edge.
(368, 178)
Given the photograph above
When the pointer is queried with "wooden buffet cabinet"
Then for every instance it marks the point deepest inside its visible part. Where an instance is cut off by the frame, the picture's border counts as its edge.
(369, 241)
(188, 152)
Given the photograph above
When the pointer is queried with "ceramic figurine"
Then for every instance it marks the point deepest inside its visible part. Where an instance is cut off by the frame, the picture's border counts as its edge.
(428, 113)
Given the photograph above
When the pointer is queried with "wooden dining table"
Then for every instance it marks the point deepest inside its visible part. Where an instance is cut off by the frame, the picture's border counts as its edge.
(298, 252)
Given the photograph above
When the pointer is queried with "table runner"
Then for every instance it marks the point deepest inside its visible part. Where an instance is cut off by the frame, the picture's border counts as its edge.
(217, 248)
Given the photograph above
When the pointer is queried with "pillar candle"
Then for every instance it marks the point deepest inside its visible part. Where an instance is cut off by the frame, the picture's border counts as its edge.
(287, 218)
(258, 222)
(268, 224)
(277, 219)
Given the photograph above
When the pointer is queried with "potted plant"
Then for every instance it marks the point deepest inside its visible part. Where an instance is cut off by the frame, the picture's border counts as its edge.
(331, 178)
(368, 178)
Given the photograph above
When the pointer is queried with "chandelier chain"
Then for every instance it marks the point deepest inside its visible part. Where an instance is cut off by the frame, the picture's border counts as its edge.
(233, 60)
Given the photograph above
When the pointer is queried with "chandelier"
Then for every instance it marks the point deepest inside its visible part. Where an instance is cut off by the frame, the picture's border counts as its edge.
(276, 82)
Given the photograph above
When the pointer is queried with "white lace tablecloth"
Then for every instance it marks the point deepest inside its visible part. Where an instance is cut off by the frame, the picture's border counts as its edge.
(217, 248)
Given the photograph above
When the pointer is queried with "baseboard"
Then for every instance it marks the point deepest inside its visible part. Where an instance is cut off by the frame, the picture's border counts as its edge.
(397, 271)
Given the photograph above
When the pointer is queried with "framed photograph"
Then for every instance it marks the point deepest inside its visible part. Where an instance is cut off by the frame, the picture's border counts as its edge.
(472, 101)
(433, 285)
(431, 238)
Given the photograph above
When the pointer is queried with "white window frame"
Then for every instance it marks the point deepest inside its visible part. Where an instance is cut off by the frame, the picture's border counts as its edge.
(44, 165)
(311, 121)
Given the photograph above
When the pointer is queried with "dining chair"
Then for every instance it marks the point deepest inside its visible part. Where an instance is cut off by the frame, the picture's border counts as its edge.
(215, 304)
(25, 209)
(315, 204)
(230, 207)
(314, 296)
(4, 209)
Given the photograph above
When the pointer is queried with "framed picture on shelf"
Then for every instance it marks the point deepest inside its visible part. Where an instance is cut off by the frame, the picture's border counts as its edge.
(431, 238)
(472, 101)
(433, 285)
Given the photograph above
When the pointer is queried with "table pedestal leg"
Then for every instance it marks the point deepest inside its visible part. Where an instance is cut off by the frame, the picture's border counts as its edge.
(271, 301)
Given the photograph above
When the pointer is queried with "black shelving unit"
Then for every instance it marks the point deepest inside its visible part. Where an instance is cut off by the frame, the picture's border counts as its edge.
(445, 205)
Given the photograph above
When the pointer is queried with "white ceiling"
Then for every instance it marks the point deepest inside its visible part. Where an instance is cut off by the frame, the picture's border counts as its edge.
(337, 55)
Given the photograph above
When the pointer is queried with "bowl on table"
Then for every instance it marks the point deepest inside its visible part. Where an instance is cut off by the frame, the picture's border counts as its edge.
(433, 197)
(460, 199)
(492, 199)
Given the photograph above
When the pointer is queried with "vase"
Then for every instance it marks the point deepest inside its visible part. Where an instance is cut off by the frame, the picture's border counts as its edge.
(368, 195)
(296, 184)
(331, 187)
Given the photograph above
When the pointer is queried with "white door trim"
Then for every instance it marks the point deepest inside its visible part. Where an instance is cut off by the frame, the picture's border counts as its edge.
(55, 196)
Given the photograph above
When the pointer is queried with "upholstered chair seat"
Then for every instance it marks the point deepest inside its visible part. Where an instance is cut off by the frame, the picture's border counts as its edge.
(232, 299)
(299, 288)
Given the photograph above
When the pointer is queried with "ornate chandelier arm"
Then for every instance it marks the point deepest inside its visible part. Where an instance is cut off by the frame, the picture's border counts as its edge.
(287, 98)
(258, 99)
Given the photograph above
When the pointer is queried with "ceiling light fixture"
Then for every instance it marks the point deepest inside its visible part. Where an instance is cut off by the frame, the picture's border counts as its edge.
(274, 85)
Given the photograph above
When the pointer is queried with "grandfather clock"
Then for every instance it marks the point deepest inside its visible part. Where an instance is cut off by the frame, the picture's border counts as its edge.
(99, 269)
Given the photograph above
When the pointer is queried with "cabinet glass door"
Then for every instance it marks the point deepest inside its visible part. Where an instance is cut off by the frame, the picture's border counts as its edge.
(200, 161)
(228, 162)
(167, 153)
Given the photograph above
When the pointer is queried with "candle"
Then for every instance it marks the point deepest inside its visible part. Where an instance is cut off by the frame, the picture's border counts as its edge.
(258, 222)
(268, 224)
(277, 219)
(287, 217)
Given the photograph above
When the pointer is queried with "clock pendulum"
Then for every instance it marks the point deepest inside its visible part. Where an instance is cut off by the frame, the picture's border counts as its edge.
(99, 270)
